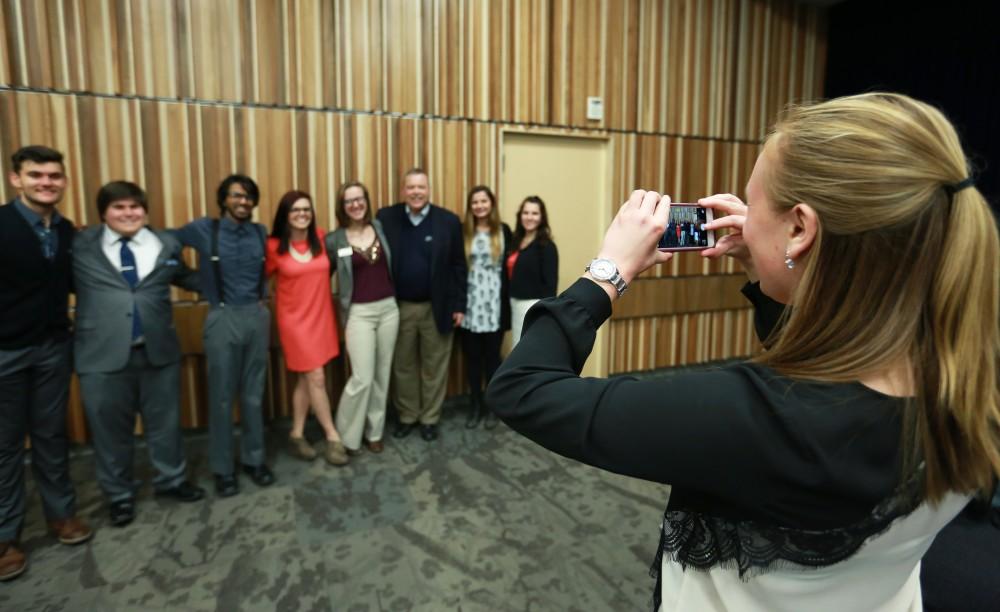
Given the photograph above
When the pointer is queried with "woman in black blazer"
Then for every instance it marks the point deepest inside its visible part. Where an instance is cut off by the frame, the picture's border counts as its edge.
(533, 265)
(487, 313)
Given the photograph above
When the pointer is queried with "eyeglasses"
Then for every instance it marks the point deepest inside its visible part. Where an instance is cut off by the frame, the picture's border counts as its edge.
(358, 200)
(239, 196)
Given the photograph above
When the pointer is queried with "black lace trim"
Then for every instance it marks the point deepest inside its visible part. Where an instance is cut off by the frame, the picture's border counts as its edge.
(701, 542)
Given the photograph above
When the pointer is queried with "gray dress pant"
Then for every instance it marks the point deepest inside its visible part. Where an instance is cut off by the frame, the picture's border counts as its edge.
(110, 400)
(236, 344)
(34, 389)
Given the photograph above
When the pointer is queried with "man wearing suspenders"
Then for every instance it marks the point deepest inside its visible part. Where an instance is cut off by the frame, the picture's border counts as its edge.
(237, 329)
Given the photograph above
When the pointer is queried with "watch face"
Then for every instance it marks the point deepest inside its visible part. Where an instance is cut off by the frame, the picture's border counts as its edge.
(602, 269)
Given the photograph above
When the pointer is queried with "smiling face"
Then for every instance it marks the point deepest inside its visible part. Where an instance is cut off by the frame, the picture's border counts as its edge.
(355, 204)
(126, 217)
(481, 206)
(531, 216)
(300, 214)
(39, 185)
(416, 191)
(239, 206)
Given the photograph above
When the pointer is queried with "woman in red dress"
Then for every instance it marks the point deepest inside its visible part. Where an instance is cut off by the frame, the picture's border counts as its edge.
(306, 324)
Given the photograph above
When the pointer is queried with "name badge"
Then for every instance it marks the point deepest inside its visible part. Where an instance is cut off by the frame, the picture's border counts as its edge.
(428, 238)
(345, 252)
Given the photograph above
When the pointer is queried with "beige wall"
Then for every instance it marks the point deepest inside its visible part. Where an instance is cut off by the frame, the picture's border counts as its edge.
(310, 93)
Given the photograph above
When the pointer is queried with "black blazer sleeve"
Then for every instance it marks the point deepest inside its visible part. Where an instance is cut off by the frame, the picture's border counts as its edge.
(508, 248)
(550, 268)
(458, 286)
(391, 230)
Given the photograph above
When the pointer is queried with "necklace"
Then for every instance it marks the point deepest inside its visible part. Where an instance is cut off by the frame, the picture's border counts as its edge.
(300, 257)
(370, 253)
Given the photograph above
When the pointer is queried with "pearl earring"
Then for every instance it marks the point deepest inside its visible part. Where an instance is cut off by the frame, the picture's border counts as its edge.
(789, 262)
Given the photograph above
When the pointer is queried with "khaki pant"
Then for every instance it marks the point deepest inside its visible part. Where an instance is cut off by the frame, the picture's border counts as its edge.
(420, 365)
(371, 339)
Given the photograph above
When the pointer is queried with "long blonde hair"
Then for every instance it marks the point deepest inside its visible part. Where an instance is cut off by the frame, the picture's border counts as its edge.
(469, 224)
(903, 270)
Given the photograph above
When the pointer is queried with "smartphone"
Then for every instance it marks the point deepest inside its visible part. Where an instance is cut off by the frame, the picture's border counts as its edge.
(686, 229)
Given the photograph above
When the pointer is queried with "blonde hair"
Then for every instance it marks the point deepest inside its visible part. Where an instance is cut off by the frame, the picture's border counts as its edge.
(469, 224)
(903, 270)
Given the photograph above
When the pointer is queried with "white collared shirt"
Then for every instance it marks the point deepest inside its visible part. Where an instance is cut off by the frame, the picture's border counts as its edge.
(417, 218)
(145, 246)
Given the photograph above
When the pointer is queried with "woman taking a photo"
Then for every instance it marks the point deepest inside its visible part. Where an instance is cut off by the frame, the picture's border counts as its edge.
(533, 265)
(361, 259)
(815, 476)
(306, 324)
(487, 312)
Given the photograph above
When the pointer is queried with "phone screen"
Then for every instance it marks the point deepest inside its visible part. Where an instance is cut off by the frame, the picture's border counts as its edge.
(684, 228)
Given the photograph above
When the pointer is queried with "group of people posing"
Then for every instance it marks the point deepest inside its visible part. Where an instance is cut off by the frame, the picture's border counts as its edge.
(397, 284)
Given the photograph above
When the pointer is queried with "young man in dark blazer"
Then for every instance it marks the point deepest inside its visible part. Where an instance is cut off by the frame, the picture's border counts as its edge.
(35, 353)
(429, 271)
(126, 349)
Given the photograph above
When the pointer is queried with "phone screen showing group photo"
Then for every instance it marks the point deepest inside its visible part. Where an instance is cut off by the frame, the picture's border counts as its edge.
(684, 228)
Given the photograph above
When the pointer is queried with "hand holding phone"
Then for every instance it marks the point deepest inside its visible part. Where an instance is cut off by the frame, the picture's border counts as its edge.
(734, 213)
(686, 229)
(630, 242)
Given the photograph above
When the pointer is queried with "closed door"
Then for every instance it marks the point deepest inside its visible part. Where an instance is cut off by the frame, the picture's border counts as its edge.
(570, 174)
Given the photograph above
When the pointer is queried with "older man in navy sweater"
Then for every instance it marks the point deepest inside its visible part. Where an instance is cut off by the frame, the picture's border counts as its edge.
(430, 274)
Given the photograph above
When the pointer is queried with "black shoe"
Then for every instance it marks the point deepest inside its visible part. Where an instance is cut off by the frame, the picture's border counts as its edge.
(491, 419)
(475, 413)
(122, 512)
(184, 492)
(429, 432)
(226, 486)
(261, 475)
(403, 429)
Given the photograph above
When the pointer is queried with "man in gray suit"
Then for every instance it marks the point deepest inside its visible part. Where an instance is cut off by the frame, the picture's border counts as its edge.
(126, 349)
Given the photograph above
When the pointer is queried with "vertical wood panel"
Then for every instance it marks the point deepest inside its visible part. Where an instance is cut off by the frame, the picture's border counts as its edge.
(311, 93)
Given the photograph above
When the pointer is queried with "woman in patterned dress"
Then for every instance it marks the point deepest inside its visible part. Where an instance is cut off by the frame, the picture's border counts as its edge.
(306, 324)
(487, 314)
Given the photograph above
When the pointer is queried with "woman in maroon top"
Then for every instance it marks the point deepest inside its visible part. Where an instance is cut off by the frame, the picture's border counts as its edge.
(360, 257)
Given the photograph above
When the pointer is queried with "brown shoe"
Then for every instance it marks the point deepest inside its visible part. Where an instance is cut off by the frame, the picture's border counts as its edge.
(71, 530)
(376, 446)
(12, 561)
(298, 447)
(335, 453)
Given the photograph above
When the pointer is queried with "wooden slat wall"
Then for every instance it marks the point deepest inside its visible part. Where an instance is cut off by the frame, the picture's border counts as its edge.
(308, 94)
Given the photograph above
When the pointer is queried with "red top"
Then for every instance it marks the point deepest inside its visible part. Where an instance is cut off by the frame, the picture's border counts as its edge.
(307, 326)
(511, 262)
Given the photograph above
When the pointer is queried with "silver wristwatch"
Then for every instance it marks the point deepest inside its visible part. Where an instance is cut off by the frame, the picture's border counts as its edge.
(605, 270)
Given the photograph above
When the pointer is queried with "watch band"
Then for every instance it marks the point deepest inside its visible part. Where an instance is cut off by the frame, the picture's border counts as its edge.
(615, 279)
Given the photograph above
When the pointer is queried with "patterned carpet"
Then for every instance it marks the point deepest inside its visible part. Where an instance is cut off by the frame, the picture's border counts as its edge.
(479, 520)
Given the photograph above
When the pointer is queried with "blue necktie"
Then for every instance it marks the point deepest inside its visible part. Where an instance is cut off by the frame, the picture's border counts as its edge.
(131, 274)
